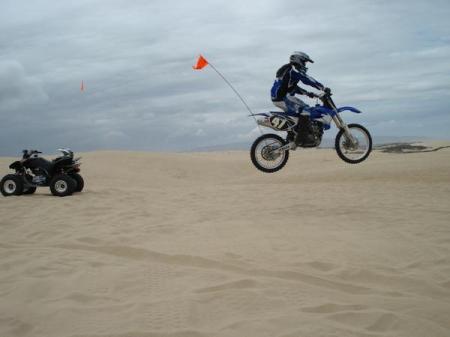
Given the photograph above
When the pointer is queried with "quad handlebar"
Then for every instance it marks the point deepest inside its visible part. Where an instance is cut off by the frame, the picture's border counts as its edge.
(29, 153)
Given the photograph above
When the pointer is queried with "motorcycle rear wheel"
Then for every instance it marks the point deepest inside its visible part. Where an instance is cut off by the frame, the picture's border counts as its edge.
(264, 156)
(354, 154)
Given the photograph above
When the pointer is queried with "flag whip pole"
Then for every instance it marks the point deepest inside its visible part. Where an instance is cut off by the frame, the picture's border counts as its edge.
(238, 95)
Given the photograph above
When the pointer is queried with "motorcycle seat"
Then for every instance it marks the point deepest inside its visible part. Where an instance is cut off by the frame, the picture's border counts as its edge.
(283, 113)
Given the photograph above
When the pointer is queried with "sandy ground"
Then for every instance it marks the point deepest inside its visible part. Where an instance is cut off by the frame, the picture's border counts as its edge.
(205, 245)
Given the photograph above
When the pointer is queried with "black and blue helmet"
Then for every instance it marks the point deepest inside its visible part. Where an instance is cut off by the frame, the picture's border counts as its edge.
(299, 59)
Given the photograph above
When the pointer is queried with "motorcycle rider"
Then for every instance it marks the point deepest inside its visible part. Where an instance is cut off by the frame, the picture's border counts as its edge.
(285, 87)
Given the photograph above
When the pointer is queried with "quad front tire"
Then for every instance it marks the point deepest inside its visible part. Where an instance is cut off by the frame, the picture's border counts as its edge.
(27, 189)
(11, 184)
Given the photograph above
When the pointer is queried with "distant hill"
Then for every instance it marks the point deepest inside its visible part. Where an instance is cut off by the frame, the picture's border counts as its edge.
(327, 143)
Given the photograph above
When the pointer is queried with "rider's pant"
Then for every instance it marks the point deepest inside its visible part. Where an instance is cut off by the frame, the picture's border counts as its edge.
(292, 105)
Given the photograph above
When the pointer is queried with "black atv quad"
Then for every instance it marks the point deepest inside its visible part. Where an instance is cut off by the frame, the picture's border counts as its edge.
(32, 171)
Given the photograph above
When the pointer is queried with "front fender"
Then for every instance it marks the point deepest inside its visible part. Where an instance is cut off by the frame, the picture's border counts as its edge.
(349, 108)
(17, 165)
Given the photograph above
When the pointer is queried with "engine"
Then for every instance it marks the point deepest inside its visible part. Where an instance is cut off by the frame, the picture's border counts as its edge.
(317, 131)
(39, 180)
(40, 176)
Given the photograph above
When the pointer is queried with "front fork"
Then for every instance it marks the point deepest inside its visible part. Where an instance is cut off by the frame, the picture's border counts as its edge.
(342, 126)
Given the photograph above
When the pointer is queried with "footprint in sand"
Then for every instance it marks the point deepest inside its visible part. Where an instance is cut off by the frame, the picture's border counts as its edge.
(333, 308)
(241, 284)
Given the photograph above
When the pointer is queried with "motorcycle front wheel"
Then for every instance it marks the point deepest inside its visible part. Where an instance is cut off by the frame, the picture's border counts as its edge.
(265, 156)
(357, 152)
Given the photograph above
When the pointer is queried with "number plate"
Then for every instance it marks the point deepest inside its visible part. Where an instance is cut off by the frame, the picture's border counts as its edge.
(279, 123)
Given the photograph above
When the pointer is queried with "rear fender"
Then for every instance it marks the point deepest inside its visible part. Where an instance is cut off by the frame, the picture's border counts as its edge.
(260, 114)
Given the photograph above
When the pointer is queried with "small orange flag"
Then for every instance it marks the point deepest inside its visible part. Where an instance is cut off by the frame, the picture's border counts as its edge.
(82, 86)
(201, 63)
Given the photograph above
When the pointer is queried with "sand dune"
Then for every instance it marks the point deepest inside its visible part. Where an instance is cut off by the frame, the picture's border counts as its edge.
(203, 244)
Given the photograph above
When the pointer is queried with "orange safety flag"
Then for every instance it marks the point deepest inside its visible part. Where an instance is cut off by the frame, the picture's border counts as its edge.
(82, 86)
(201, 63)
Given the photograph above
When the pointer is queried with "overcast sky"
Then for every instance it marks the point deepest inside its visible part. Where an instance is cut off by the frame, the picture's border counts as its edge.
(390, 59)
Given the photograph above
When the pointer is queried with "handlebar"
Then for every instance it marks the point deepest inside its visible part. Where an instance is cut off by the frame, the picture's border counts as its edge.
(28, 153)
(326, 93)
(325, 97)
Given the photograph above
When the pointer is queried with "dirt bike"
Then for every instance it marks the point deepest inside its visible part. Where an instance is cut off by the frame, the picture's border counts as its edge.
(32, 171)
(270, 152)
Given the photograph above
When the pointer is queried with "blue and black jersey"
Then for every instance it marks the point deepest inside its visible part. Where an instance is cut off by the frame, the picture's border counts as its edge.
(286, 81)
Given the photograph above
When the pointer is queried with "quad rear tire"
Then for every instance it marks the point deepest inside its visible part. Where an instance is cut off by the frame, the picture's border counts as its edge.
(62, 185)
(79, 180)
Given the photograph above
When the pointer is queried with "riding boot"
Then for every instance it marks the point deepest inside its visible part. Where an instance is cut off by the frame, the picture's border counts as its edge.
(304, 135)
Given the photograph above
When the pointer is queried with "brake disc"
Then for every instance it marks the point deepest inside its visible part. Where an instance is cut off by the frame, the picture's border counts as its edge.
(269, 153)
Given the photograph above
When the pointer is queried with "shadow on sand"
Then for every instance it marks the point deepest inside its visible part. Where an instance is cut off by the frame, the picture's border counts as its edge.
(407, 148)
